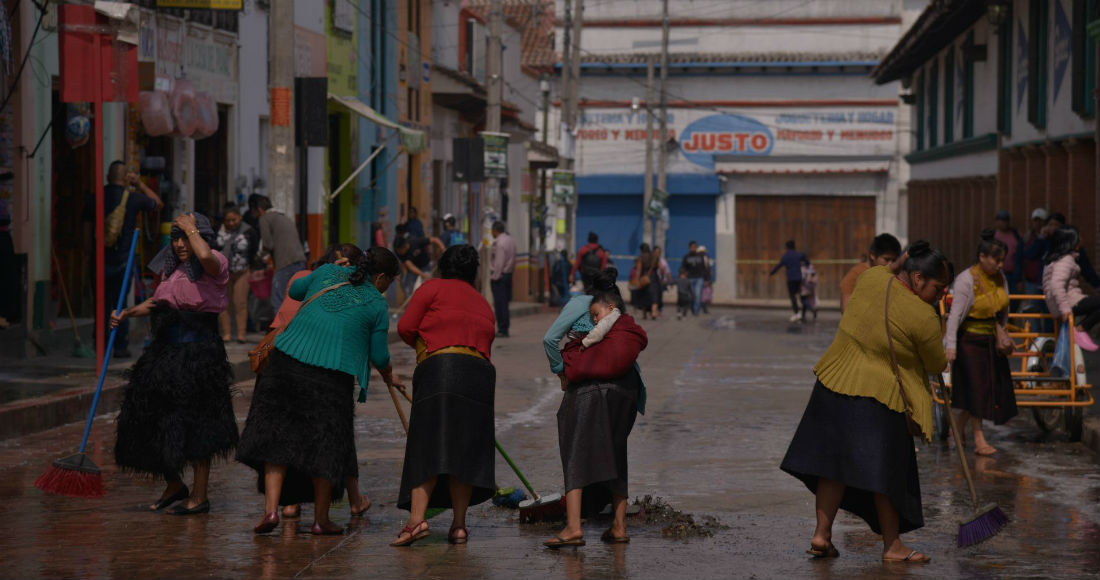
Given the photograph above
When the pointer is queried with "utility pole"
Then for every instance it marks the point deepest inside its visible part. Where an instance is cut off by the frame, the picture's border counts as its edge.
(281, 74)
(565, 123)
(574, 86)
(649, 224)
(492, 125)
(662, 150)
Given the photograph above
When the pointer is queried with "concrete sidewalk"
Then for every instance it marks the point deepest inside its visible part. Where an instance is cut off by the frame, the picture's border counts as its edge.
(41, 393)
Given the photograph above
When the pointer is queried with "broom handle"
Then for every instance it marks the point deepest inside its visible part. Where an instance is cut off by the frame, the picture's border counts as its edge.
(959, 447)
(110, 340)
(503, 453)
(400, 411)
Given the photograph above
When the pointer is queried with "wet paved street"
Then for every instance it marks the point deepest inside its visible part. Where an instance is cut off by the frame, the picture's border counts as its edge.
(725, 394)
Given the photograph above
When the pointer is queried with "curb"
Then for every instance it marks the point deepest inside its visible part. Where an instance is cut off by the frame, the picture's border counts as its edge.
(1090, 434)
(26, 416)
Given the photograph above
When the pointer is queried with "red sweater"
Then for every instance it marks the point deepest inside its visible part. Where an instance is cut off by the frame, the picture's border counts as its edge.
(611, 358)
(448, 313)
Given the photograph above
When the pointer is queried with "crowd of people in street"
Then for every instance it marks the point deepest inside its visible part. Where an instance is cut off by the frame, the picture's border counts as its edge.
(330, 329)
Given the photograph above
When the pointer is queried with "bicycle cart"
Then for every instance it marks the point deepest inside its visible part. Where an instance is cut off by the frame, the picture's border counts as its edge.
(1056, 396)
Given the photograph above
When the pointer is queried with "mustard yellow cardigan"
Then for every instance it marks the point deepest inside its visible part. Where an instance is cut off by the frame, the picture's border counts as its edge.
(858, 362)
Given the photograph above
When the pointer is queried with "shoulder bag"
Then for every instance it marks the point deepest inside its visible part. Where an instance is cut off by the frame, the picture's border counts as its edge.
(914, 427)
(1005, 344)
(258, 356)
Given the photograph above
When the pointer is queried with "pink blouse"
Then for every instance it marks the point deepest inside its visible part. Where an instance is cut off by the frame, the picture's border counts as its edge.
(207, 294)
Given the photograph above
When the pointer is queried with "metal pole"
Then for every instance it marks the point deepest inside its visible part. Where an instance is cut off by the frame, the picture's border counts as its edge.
(662, 150)
(574, 90)
(281, 186)
(100, 210)
(492, 124)
(649, 225)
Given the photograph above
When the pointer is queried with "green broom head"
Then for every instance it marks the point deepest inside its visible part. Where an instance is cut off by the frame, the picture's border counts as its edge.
(81, 350)
(984, 525)
(73, 476)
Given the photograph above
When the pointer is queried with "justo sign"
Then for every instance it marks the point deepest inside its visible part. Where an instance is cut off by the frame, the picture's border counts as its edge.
(724, 134)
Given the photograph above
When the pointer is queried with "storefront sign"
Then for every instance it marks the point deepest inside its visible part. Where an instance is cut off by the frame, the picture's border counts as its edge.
(201, 4)
(496, 154)
(610, 139)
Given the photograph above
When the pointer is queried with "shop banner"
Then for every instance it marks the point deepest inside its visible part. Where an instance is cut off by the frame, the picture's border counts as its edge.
(496, 154)
(610, 139)
(564, 188)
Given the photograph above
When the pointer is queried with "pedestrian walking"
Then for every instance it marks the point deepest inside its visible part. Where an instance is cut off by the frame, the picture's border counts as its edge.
(1013, 259)
(414, 226)
(591, 256)
(280, 239)
(347, 255)
(980, 375)
(238, 242)
(1062, 287)
(1032, 250)
(299, 433)
(559, 279)
(808, 293)
(449, 456)
(643, 281)
(792, 260)
(597, 413)
(707, 293)
(415, 255)
(684, 295)
(502, 265)
(695, 264)
(664, 277)
(177, 406)
(884, 249)
(872, 386)
(124, 197)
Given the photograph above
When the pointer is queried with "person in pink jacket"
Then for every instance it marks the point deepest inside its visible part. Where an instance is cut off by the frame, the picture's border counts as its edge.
(1062, 287)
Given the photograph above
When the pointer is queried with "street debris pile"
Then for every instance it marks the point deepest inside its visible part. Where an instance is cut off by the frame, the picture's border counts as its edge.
(674, 523)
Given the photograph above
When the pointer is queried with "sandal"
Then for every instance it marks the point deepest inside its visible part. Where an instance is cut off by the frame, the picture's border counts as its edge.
(413, 534)
(182, 494)
(829, 551)
(608, 538)
(454, 538)
(914, 557)
(559, 542)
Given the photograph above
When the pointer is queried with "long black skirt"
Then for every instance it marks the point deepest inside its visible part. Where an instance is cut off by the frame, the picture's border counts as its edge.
(177, 406)
(861, 443)
(982, 380)
(594, 421)
(451, 429)
(302, 416)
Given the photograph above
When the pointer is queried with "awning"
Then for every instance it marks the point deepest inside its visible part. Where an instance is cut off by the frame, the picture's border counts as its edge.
(413, 140)
(802, 167)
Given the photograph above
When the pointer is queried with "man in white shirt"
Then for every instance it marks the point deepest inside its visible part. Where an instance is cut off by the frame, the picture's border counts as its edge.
(501, 265)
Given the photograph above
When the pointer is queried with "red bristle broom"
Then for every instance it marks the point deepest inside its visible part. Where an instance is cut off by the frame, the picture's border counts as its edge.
(77, 475)
(988, 519)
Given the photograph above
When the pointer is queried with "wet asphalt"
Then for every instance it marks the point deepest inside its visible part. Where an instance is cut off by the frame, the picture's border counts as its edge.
(726, 391)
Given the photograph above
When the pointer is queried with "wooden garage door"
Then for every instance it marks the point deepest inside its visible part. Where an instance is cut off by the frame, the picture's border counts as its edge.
(833, 231)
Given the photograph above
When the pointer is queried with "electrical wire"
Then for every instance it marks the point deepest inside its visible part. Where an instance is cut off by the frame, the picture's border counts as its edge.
(26, 56)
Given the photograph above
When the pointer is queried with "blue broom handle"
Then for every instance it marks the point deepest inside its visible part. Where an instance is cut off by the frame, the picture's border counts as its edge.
(111, 339)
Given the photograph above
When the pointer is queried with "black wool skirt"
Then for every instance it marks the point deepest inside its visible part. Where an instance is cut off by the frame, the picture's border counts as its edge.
(861, 443)
(451, 429)
(982, 380)
(177, 406)
(302, 416)
(594, 420)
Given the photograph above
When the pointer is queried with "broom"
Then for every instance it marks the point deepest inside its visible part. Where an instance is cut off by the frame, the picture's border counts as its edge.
(77, 475)
(80, 350)
(530, 510)
(988, 519)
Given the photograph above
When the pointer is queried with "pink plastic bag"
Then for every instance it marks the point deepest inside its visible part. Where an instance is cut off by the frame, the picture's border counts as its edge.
(260, 283)
(156, 114)
(183, 107)
(207, 116)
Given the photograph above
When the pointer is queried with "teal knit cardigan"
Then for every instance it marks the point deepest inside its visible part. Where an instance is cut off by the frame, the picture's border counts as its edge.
(344, 330)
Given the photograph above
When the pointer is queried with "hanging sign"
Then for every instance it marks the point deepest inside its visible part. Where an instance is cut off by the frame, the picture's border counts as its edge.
(564, 188)
(496, 154)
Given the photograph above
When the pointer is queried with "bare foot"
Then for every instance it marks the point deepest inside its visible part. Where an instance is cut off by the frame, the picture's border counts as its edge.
(986, 449)
(292, 511)
(899, 552)
(358, 509)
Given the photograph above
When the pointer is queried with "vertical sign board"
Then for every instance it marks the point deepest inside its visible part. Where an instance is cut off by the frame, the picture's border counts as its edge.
(496, 154)
(564, 188)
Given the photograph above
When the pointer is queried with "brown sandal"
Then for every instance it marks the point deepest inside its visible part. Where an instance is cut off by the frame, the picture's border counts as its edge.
(452, 536)
(413, 534)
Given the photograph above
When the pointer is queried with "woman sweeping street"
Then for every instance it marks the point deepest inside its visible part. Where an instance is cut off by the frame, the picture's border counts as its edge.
(177, 407)
(981, 378)
(854, 448)
(300, 425)
(449, 456)
(595, 418)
